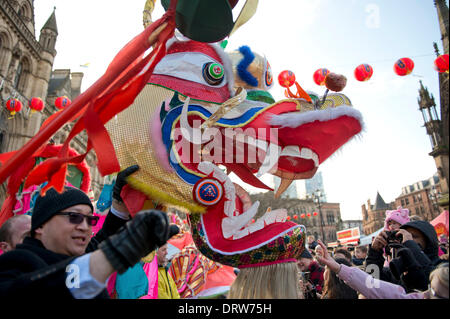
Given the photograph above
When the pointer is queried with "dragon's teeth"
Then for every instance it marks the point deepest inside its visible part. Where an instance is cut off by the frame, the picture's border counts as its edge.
(270, 160)
(291, 150)
(232, 225)
(257, 225)
(241, 233)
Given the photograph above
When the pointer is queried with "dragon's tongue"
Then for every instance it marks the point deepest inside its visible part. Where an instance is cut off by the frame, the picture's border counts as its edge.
(246, 176)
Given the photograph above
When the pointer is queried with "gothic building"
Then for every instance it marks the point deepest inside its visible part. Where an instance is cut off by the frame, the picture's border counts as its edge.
(421, 198)
(26, 63)
(437, 124)
(25, 69)
(374, 215)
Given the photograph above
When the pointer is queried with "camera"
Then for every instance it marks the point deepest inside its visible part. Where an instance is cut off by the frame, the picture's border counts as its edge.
(392, 238)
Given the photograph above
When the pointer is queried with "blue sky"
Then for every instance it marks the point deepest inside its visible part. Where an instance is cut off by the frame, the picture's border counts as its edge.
(304, 35)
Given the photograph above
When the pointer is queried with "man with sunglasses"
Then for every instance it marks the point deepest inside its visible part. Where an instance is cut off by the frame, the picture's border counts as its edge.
(52, 263)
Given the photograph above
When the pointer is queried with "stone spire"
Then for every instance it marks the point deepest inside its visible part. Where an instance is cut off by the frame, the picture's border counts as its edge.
(49, 34)
(425, 100)
(51, 23)
(442, 11)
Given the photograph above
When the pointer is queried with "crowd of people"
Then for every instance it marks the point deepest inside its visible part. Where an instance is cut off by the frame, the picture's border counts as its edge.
(406, 260)
(43, 252)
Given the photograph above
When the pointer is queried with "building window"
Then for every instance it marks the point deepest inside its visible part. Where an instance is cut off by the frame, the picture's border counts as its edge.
(330, 218)
(18, 74)
(23, 12)
(20, 80)
(403, 202)
(406, 201)
(417, 211)
(414, 198)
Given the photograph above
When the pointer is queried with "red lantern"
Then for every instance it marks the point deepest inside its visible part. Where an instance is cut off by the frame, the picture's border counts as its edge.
(320, 75)
(36, 105)
(184, 221)
(295, 216)
(286, 78)
(309, 215)
(302, 216)
(62, 102)
(441, 63)
(13, 106)
(363, 72)
(253, 220)
(315, 214)
(403, 66)
(288, 218)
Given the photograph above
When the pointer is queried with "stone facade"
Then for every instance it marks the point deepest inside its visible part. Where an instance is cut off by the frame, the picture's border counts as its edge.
(421, 198)
(26, 64)
(437, 126)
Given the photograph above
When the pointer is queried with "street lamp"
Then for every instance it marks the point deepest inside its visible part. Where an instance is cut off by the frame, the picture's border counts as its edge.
(317, 195)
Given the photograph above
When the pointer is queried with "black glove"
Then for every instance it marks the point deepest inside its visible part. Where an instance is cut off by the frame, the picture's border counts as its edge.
(404, 261)
(121, 181)
(140, 236)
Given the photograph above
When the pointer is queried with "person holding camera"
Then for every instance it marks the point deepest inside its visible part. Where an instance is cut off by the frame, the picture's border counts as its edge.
(414, 251)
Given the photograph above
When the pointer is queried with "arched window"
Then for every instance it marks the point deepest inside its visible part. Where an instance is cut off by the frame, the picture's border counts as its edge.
(3, 129)
(3, 47)
(22, 72)
(18, 76)
(23, 12)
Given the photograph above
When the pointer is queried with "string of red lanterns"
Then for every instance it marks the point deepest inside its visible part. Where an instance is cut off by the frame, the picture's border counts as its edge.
(364, 72)
(36, 104)
(307, 215)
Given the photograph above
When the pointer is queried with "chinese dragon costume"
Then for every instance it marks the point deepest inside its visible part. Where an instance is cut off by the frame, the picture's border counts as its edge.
(189, 114)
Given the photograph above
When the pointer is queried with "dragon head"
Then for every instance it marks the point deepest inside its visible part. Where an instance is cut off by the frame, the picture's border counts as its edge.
(204, 114)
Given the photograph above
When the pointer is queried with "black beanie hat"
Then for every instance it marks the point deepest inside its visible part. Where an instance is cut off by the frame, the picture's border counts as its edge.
(53, 202)
(306, 254)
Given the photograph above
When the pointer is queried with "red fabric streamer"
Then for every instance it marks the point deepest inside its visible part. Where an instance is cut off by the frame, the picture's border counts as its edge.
(111, 94)
(16, 179)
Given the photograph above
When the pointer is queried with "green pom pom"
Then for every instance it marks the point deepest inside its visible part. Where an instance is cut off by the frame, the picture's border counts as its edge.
(224, 44)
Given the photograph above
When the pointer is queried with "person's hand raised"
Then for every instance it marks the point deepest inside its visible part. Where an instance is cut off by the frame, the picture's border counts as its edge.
(326, 259)
(121, 181)
(380, 241)
(404, 234)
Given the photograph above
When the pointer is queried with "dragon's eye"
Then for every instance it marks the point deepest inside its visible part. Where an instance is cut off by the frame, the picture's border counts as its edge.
(213, 73)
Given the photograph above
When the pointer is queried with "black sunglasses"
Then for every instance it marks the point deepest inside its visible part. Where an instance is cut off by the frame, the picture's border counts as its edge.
(77, 218)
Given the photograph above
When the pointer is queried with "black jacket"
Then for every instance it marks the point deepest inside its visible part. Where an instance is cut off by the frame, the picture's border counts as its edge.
(33, 271)
(431, 250)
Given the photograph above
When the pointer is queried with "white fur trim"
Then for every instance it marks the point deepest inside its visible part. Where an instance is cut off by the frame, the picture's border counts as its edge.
(296, 119)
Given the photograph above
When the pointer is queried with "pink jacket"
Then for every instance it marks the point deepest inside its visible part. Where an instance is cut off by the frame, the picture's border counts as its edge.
(372, 288)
